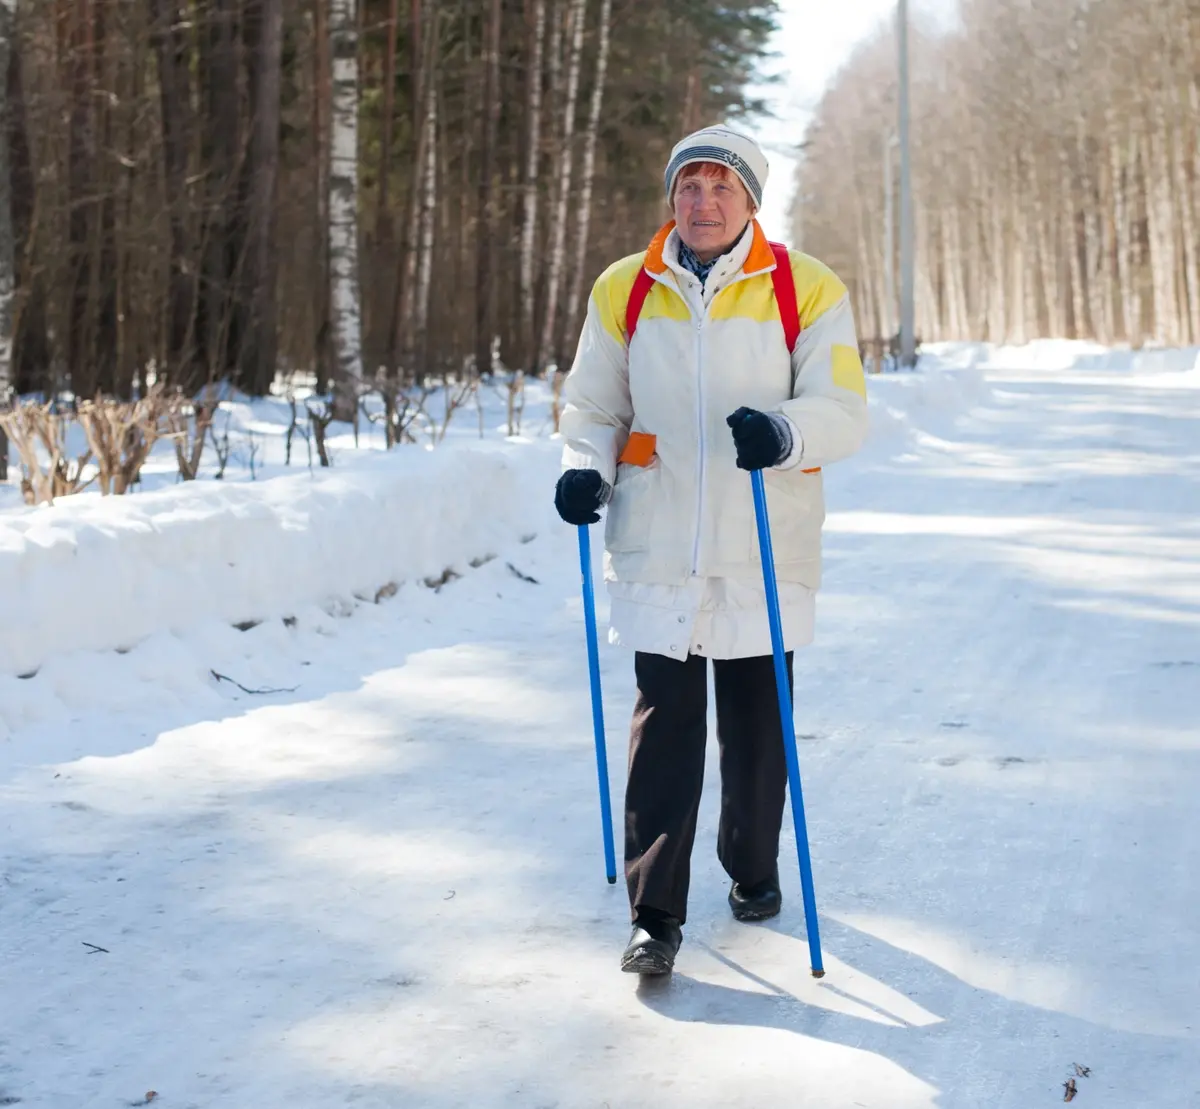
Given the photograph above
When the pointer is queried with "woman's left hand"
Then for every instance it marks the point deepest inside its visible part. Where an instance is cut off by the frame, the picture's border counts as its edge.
(762, 439)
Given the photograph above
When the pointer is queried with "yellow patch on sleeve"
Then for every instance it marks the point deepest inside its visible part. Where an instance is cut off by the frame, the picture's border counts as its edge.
(848, 370)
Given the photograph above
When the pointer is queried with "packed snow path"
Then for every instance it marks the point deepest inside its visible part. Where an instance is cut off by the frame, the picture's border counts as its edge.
(386, 888)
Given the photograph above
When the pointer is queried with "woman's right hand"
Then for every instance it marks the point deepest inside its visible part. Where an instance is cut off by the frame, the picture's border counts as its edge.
(580, 494)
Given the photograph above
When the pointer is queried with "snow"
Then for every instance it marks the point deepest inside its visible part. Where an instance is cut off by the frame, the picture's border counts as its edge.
(250, 552)
(268, 539)
(383, 885)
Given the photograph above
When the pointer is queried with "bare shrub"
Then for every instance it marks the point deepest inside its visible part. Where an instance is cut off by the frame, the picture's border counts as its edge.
(122, 434)
(39, 435)
(188, 422)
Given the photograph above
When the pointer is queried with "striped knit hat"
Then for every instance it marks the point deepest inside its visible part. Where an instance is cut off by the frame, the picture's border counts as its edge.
(730, 148)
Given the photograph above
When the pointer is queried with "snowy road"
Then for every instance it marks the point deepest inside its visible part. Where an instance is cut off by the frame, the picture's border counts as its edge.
(386, 889)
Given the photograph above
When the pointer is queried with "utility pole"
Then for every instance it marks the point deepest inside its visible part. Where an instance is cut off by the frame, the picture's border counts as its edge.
(889, 237)
(908, 355)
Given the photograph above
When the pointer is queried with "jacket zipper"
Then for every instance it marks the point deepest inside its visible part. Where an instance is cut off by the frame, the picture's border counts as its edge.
(700, 416)
(741, 276)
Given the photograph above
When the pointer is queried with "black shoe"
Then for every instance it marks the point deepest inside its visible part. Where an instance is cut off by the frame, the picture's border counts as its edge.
(758, 902)
(652, 947)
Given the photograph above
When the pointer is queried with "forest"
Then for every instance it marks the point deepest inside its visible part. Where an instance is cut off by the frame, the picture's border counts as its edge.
(1056, 174)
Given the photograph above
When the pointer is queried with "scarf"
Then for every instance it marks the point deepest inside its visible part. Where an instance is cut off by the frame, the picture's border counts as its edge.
(690, 261)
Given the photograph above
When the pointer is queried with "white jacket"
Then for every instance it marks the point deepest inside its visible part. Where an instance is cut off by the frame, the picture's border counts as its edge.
(680, 533)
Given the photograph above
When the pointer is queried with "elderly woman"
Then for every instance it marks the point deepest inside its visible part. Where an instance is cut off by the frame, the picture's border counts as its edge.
(688, 374)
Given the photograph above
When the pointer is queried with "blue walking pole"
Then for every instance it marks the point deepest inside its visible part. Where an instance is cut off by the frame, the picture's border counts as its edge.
(789, 727)
(589, 617)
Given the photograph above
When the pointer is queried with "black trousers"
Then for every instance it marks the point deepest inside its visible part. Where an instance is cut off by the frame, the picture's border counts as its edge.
(666, 774)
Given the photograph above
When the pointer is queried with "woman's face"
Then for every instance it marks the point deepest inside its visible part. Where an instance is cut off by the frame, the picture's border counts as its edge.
(711, 209)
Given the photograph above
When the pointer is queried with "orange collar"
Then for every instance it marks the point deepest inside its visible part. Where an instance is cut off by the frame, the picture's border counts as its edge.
(759, 260)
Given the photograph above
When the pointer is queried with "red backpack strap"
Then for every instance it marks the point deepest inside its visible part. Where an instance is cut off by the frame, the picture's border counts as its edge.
(642, 284)
(785, 295)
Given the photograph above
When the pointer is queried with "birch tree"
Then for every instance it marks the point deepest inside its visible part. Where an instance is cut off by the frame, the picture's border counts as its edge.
(485, 224)
(343, 208)
(172, 186)
(566, 150)
(536, 11)
(575, 298)
(8, 11)
(264, 37)
(175, 99)
(1056, 160)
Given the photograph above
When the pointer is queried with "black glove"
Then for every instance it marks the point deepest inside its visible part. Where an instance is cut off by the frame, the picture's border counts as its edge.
(762, 438)
(579, 494)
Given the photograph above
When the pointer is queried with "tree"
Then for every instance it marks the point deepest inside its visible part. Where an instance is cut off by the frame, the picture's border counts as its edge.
(7, 247)
(562, 195)
(343, 207)
(589, 167)
(490, 126)
(264, 40)
(172, 55)
(1057, 173)
(191, 179)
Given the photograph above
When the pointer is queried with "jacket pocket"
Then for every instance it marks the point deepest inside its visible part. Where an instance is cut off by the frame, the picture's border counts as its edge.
(796, 506)
(631, 509)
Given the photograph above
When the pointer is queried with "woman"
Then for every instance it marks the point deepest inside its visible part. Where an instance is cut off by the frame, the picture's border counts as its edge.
(683, 378)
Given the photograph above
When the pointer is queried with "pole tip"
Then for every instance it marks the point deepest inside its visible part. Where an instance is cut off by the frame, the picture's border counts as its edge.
(818, 974)
(612, 879)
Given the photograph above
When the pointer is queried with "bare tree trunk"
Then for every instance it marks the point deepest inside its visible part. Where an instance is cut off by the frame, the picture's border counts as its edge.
(32, 355)
(1189, 324)
(997, 252)
(321, 111)
(1192, 201)
(264, 40)
(589, 173)
(1092, 251)
(171, 50)
(1019, 300)
(219, 328)
(428, 225)
(691, 103)
(102, 291)
(563, 190)
(133, 348)
(1162, 234)
(7, 243)
(866, 308)
(383, 216)
(402, 348)
(484, 225)
(80, 175)
(343, 209)
(1122, 218)
(1071, 245)
(955, 291)
(1047, 256)
(533, 141)
(377, 296)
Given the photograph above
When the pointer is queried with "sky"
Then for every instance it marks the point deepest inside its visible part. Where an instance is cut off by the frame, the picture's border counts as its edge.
(811, 44)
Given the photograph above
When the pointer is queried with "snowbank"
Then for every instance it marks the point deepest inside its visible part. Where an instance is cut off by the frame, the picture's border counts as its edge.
(903, 404)
(1064, 354)
(95, 573)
